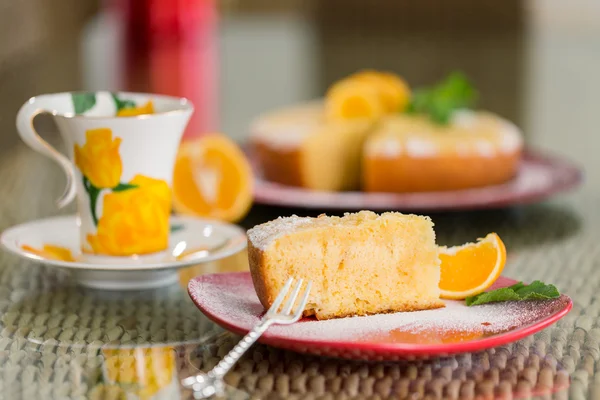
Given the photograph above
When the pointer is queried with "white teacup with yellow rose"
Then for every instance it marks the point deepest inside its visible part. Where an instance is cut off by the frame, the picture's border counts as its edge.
(122, 148)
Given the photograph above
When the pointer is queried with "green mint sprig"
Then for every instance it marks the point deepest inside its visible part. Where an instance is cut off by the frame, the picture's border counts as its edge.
(440, 101)
(536, 290)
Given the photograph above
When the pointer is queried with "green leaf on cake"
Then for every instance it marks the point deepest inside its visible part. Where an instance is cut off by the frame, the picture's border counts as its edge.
(440, 101)
(536, 290)
(82, 102)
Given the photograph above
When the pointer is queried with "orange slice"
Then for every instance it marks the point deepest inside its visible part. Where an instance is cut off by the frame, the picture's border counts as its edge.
(394, 91)
(351, 99)
(212, 178)
(472, 268)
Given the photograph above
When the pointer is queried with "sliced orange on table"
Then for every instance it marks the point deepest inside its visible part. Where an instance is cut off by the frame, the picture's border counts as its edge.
(472, 268)
(213, 179)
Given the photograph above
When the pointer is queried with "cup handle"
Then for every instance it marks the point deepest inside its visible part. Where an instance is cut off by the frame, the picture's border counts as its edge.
(25, 128)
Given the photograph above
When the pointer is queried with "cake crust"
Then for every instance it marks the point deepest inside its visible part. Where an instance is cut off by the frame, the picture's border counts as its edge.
(278, 165)
(255, 257)
(404, 174)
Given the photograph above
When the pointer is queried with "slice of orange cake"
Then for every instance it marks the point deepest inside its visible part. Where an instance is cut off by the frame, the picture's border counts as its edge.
(359, 264)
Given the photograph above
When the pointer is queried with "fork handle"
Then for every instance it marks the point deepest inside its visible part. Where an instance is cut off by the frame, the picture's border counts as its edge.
(223, 367)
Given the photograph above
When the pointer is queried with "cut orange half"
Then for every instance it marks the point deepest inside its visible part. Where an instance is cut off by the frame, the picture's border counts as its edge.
(394, 91)
(350, 99)
(213, 179)
(472, 268)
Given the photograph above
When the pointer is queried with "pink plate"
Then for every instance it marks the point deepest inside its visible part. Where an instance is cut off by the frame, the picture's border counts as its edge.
(539, 177)
(230, 301)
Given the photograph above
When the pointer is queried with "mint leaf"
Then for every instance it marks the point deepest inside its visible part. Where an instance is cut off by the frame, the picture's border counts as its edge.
(504, 294)
(83, 101)
(517, 286)
(536, 290)
(440, 101)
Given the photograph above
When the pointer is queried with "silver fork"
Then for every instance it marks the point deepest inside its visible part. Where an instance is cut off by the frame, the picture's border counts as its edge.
(207, 384)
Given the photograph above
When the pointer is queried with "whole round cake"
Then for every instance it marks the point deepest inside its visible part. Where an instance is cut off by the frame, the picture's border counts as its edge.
(371, 133)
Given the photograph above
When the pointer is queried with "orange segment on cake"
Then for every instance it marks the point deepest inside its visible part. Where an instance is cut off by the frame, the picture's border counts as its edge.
(359, 264)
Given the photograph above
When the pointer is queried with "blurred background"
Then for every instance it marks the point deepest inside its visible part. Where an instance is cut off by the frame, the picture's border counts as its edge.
(535, 62)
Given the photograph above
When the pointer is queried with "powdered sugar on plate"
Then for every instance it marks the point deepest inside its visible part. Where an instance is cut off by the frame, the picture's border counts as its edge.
(231, 299)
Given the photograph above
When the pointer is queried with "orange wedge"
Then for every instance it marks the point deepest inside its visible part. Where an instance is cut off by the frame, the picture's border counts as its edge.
(472, 268)
(213, 179)
(352, 99)
(394, 91)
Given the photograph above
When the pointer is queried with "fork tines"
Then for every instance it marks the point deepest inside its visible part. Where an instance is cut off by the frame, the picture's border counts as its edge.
(288, 313)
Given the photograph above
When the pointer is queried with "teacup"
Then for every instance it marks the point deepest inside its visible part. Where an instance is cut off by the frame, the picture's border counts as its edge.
(122, 148)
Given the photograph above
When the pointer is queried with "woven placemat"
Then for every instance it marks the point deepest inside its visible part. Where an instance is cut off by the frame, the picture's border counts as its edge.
(52, 334)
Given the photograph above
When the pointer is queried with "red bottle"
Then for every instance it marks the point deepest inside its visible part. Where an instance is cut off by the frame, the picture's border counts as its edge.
(170, 48)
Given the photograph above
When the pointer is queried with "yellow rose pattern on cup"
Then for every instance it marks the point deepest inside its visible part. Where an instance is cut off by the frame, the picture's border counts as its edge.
(99, 160)
(135, 214)
(141, 372)
(134, 221)
(147, 108)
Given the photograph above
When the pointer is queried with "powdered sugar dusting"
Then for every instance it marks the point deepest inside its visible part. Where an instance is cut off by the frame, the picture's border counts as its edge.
(389, 147)
(284, 136)
(262, 235)
(485, 148)
(419, 147)
(465, 118)
(231, 298)
(512, 138)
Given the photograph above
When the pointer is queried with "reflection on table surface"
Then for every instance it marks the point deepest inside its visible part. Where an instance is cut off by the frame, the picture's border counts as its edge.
(73, 341)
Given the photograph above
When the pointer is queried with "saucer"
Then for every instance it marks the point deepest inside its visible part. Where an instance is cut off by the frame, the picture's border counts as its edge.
(55, 241)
